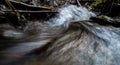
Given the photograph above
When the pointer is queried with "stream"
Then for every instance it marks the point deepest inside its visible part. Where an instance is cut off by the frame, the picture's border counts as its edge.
(66, 39)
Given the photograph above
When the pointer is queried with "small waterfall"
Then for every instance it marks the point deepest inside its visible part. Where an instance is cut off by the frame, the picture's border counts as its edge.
(70, 13)
(60, 22)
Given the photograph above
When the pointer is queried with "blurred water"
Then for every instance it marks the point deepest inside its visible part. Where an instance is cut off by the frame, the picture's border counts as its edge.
(70, 13)
(88, 44)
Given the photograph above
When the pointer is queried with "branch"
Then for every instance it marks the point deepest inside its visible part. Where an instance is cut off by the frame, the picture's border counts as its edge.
(24, 6)
(105, 20)
(24, 11)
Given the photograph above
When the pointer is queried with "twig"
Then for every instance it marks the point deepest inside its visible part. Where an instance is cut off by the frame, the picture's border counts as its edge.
(78, 3)
(24, 11)
(27, 6)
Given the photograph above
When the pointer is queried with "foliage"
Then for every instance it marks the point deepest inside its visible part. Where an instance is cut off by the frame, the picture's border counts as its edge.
(97, 2)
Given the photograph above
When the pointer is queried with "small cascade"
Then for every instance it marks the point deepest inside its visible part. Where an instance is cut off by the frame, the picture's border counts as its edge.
(70, 13)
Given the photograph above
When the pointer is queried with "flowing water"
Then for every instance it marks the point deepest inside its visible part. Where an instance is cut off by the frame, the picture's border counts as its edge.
(67, 39)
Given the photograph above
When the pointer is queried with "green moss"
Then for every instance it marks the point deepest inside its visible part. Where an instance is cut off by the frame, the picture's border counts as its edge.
(97, 2)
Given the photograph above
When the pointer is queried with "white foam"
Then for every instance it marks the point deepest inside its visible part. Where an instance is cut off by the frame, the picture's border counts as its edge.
(69, 14)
